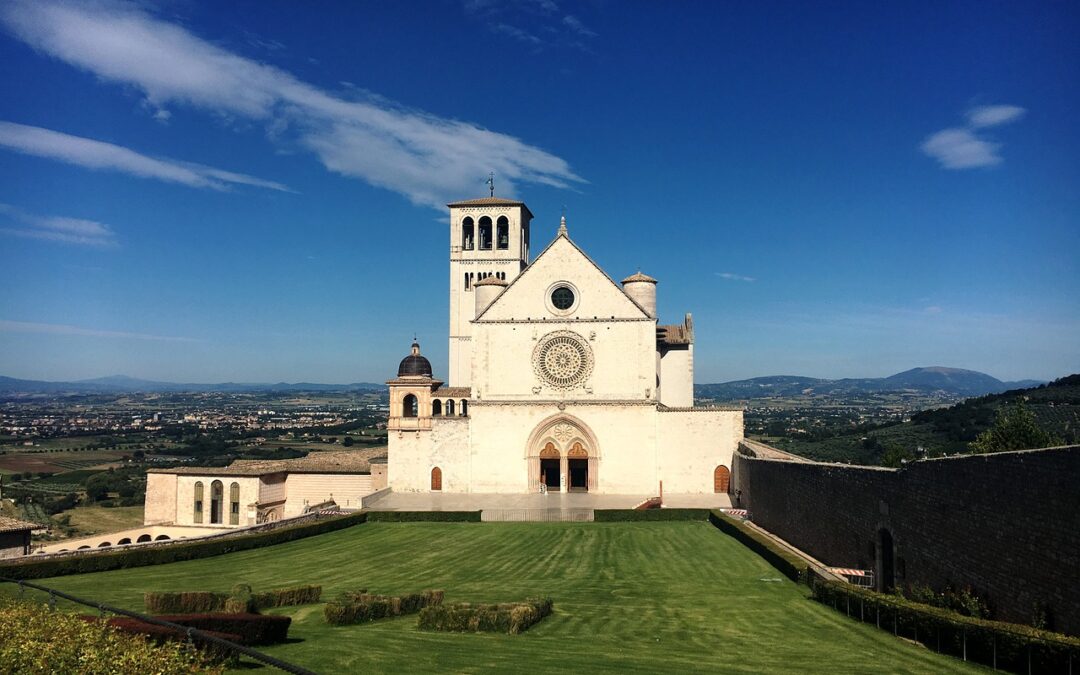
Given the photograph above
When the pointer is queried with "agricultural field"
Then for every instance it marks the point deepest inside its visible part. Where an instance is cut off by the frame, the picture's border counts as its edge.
(14, 461)
(629, 597)
(87, 520)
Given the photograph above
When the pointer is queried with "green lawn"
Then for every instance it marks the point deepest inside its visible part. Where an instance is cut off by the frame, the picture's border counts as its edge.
(642, 597)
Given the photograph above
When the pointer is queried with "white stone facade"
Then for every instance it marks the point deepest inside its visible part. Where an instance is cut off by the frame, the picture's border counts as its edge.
(571, 385)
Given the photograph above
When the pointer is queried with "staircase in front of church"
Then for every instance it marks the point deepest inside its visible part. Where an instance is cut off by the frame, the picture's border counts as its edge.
(536, 515)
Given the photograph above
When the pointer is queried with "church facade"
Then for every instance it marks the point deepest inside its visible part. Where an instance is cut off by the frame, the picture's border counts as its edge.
(559, 379)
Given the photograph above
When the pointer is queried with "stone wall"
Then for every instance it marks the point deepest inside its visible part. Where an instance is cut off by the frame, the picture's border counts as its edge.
(1006, 524)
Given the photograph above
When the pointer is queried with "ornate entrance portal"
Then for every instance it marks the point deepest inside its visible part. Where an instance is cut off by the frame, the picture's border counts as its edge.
(562, 456)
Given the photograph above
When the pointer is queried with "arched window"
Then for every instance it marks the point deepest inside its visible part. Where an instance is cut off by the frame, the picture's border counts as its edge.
(436, 408)
(502, 233)
(234, 504)
(408, 406)
(197, 517)
(467, 234)
(142, 538)
(161, 537)
(450, 406)
(485, 234)
(464, 407)
(216, 494)
(436, 479)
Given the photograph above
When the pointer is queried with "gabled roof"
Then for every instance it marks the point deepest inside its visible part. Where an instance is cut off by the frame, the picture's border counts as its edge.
(562, 235)
(14, 525)
(491, 201)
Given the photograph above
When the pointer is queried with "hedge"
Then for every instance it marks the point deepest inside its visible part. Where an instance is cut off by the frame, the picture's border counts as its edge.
(140, 556)
(791, 565)
(240, 600)
(159, 635)
(1003, 646)
(253, 629)
(511, 618)
(359, 606)
(423, 516)
(624, 515)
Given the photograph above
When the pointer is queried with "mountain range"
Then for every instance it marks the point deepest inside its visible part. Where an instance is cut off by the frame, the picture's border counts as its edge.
(953, 381)
(934, 379)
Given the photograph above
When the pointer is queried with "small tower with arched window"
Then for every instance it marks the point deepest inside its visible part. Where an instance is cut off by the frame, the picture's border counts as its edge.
(411, 405)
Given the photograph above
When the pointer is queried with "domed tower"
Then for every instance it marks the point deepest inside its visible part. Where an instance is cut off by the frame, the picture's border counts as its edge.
(410, 393)
(486, 290)
(642, 289)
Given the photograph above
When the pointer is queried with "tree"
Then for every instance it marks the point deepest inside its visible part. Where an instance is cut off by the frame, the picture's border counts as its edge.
(1015, 428)
(347, 442)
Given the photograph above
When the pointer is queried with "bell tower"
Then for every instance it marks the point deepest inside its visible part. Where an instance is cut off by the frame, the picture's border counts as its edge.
(489, 237)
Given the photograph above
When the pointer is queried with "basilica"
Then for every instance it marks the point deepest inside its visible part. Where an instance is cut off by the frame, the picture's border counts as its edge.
(559, 378)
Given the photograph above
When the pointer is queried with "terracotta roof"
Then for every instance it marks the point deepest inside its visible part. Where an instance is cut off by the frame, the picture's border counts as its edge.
(491, 281)
(674, 335)
(453, 392)
(13, 525)
(491, 201)
(345, 461)
(638, 276)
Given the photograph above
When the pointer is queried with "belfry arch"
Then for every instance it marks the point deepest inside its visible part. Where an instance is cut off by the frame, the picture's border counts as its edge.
(566, 445)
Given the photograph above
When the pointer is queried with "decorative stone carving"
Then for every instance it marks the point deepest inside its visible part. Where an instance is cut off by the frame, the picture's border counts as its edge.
(563, 359)
(563, 432)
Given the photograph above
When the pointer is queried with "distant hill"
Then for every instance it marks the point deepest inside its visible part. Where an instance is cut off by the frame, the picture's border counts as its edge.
(1056, 407)
(119, 384)
(954, 381)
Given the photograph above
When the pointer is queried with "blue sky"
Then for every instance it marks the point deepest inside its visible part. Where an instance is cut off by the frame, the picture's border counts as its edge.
(253, 191)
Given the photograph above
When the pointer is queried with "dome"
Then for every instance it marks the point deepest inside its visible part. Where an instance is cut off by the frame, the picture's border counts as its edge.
(414, 365)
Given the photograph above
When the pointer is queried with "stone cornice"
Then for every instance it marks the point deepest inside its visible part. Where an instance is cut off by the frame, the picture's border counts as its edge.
(557, 320)
(707, 408)
(564, 403)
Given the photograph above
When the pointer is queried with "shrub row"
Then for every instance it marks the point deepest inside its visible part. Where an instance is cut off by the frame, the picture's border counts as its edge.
(624, 515)
(1003, 646)
(159, 635)
(252, 629)
(240, 600)
(423, 516)
(512, 618)
(359, 606)
(791, 565)
(139, 556)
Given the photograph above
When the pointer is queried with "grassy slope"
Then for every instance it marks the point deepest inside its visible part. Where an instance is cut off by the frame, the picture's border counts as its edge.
(642, 597)
(98, 519)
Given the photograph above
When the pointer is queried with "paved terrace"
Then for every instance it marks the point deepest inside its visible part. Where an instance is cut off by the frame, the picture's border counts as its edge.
(537, 506)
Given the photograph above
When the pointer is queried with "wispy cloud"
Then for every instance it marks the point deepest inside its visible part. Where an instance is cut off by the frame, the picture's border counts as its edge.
(548, 25)
(91, 154)
(427, 158)
(963, 147)
(63, 329)
(57, 228)
(575, 25)
(733, 277)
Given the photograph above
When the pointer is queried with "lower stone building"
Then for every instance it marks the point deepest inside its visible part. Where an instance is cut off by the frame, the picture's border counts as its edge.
(15, 537)
(252, 492)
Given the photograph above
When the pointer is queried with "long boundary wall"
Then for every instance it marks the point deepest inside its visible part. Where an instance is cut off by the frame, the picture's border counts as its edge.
(1006, 524)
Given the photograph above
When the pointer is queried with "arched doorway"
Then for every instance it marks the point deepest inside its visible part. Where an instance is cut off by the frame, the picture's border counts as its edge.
(721, 479)
(577, 468)
(550, 467)
(436, 479)
(886, 561)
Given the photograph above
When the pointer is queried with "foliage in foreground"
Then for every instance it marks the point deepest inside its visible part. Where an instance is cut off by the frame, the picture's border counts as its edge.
(1015, 428)
(361, 606)
(34, 639)
(511, 617)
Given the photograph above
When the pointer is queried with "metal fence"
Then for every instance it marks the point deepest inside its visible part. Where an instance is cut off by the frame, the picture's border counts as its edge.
(185, 630)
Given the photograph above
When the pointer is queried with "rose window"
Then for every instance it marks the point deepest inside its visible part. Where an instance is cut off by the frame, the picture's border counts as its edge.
(563, 360)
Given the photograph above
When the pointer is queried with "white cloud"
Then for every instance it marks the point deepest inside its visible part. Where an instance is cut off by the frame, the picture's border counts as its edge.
(62, 329)
(58, 228)
(427, 158)
(734, 277)
(91, 154)
(575, 25)
(961, 149)
(993, 115)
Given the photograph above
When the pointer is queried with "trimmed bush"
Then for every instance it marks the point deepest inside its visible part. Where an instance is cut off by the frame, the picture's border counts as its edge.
(360, 607)
(791, 565)
(194, 601)
(1003, 646)
(286, 597)
(160, 635)
(511, 618)
(423, 516)
(30, 568)
(625, 515)
(252, 629)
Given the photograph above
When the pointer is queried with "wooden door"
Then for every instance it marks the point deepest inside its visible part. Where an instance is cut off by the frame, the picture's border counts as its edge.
(721, 479)
(436, 479)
